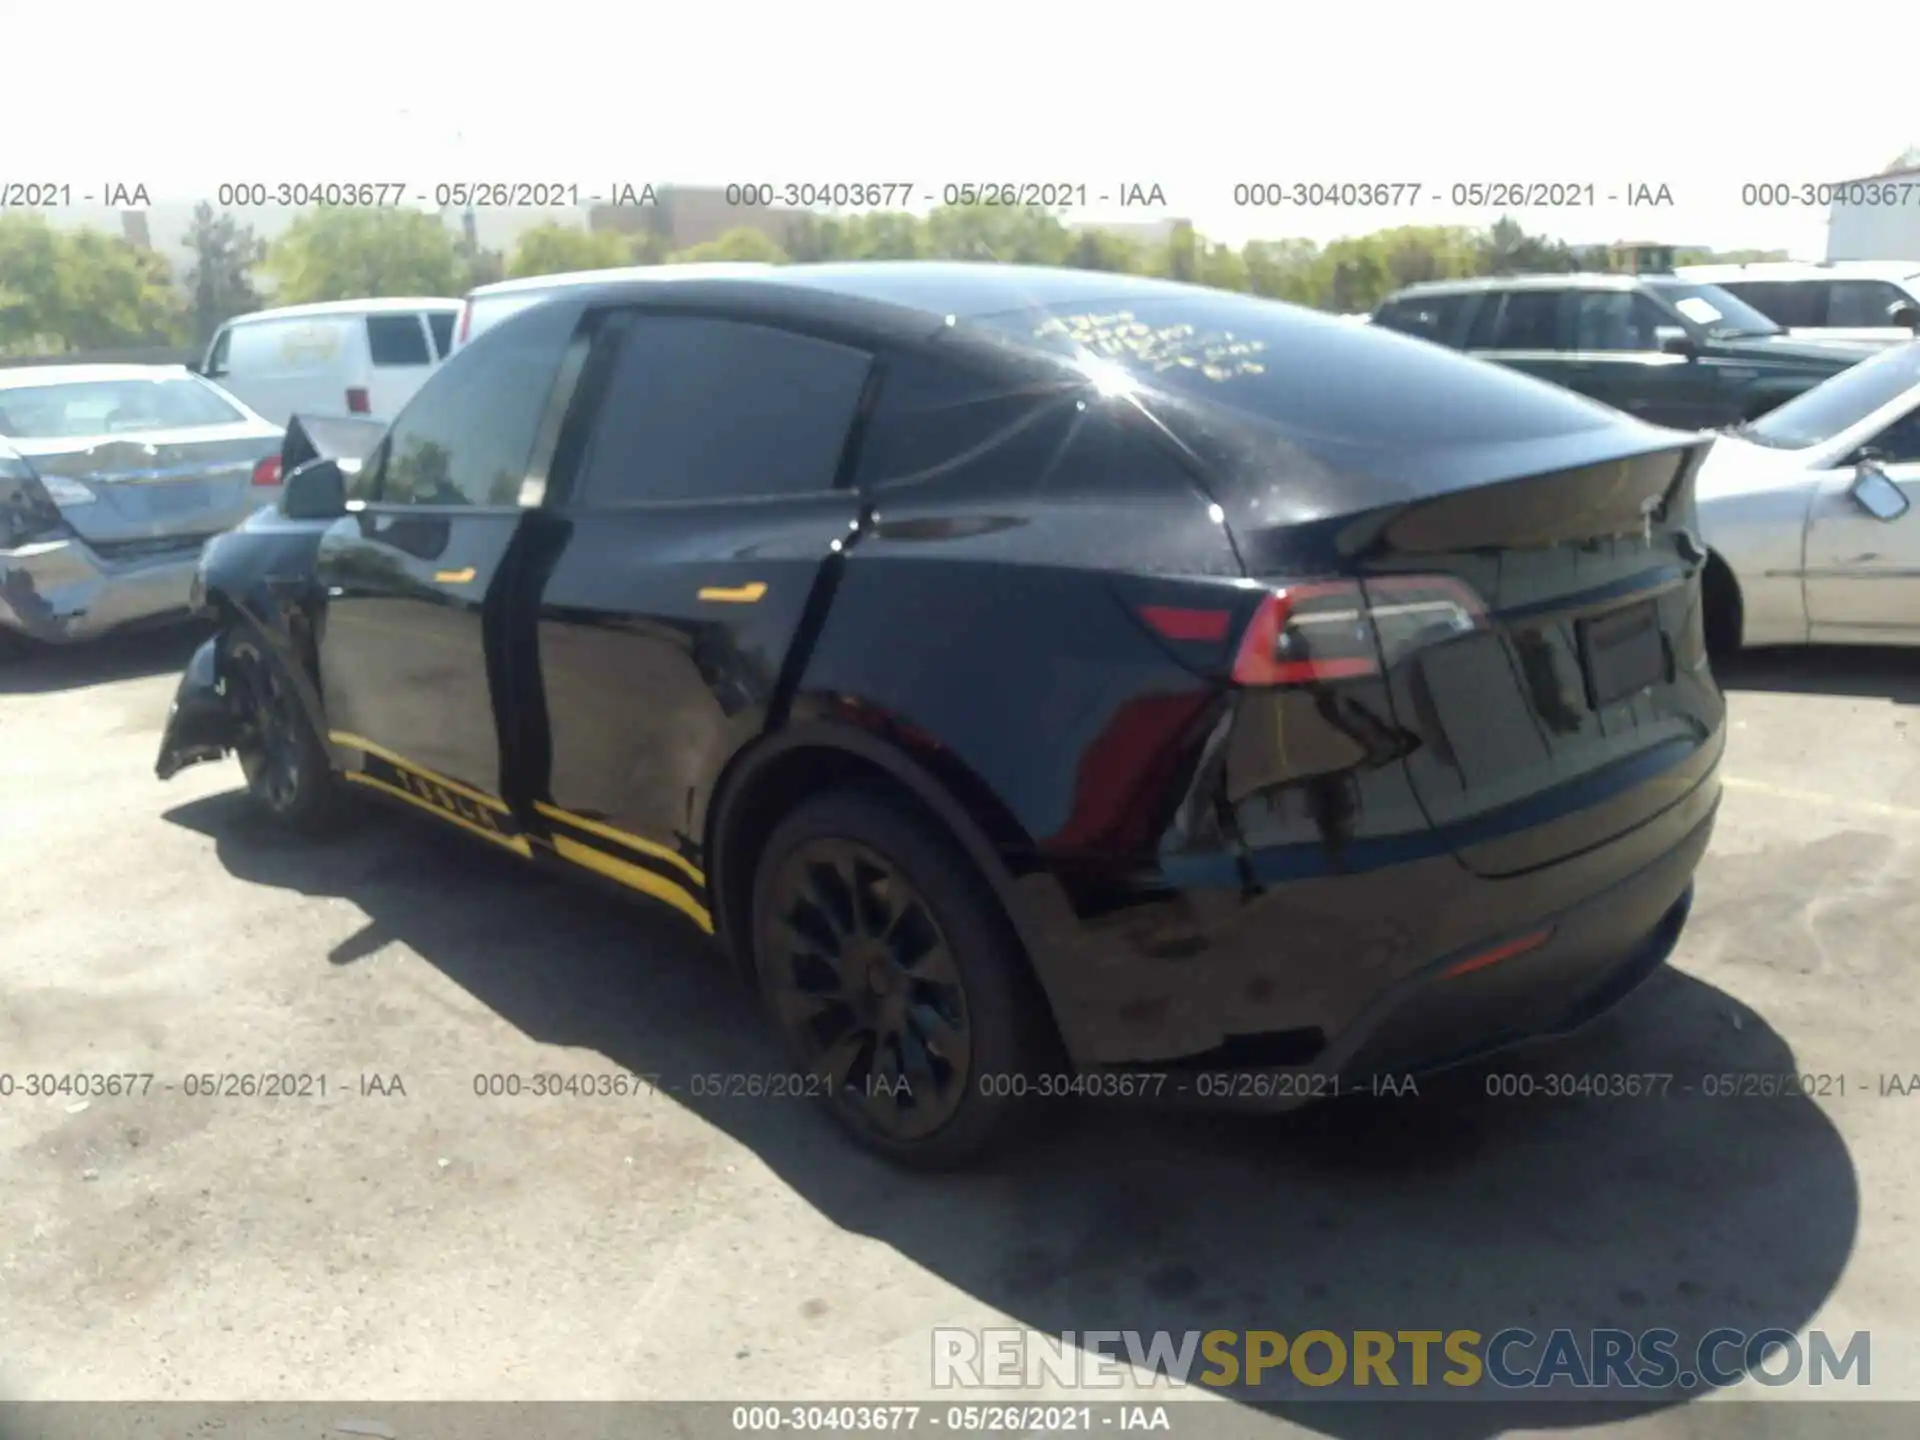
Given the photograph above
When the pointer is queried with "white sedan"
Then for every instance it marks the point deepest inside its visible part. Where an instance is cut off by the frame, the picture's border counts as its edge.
(1810, 515)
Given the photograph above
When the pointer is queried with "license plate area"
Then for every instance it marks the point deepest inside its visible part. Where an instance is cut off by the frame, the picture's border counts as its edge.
(1623, 654)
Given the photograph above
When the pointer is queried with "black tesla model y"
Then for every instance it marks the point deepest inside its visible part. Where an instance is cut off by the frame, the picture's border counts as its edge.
(1037, 681)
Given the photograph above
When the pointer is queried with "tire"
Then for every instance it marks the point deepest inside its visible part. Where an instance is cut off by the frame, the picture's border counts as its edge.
(1721, 610)
(949, 976)
(290, 779)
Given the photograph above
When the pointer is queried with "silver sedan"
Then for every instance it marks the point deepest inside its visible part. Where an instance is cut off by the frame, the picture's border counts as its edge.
(1812, 515)
(112, 477)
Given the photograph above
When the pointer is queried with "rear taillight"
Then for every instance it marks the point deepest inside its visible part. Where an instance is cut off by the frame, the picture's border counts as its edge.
(466, 323)
(267, 472)
(1339, 630)
(1305, 634)
(357, 402)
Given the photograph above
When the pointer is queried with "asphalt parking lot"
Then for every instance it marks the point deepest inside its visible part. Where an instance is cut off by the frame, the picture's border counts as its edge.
(417, 1240)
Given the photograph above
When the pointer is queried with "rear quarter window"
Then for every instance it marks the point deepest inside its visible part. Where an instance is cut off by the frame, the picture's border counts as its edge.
(1431, 317)
(397, 340)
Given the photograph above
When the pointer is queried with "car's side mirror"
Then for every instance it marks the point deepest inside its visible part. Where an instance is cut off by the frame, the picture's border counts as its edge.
(1672, 340)
(315, 491)
(1904, 313)
(1874, 493)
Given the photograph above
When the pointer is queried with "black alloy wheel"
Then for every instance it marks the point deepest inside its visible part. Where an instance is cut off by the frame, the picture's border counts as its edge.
(288, 774)
(893, 979)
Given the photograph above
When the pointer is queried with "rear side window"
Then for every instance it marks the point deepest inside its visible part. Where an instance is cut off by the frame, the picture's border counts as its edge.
(1431, 317)
(397, 340)
(706, 409)
(1861, 303)
(467, 437)
(1526, 320)
(1797, 304)
(943, 423)
(441, 323)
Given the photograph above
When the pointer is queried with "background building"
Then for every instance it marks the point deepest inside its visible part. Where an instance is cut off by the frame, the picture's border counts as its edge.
(1886, 231)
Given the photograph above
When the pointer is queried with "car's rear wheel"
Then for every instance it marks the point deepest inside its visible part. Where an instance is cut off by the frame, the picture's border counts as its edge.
(289, 777)
(895, 980)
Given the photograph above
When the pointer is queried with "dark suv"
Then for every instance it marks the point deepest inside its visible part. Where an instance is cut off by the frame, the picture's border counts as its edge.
(1663, 349)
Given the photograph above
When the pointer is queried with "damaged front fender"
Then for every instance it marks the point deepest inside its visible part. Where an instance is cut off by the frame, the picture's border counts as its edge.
(201, 724)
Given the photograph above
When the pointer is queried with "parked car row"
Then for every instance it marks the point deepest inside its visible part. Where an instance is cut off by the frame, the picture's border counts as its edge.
(1875, 300)
(1019, 673)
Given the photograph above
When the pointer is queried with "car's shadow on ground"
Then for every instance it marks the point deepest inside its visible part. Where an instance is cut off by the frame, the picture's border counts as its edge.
(42, 669)
(1451, 1211)
(1867, 671)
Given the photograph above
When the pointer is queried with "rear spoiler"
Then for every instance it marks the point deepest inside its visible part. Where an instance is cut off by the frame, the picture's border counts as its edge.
(346, 438)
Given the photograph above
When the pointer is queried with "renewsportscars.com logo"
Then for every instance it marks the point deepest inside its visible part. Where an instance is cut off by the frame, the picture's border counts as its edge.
(1374, 1360)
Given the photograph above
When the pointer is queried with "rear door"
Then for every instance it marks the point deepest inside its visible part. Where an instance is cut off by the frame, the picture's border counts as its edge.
(400, 356)
(702, 521)
(1863, 573)
(417, 573)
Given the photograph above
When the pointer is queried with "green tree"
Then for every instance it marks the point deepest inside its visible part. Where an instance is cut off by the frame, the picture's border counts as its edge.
(1104, 250)
(30, 254)
(1009, 235)
(351, 254)
(1283, 269)
(883, 236)
(1509, 250)
(555, 249)
(737, 244)
(81, 290)
(220, 282)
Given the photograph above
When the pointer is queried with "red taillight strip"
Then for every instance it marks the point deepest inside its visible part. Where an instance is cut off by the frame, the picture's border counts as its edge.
(1497, 954)
(466, 322)
(1176, 623)
(267, 472)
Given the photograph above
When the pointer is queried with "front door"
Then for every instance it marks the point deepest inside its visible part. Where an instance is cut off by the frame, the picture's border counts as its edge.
(1614, 354)
(416, 573)
(1863, 573)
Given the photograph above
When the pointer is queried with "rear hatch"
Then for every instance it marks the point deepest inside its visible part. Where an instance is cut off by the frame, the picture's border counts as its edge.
(1511, 564)
(145, 494)
(1566, 699)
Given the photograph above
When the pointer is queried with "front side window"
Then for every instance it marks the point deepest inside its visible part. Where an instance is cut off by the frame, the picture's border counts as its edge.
(217, 356)
(1862, 304)
(1899, 443)
(467, 437)
(1615, 320)
(707, 409)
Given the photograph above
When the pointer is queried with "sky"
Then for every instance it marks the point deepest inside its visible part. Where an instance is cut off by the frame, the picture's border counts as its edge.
(1194, 99)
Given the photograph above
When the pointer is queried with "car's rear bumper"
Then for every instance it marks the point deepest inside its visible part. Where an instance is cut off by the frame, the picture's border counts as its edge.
(60, 590)
(1340, 976)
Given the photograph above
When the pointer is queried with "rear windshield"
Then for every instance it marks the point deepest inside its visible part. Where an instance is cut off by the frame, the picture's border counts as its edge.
(107, 407)
(1323, 380)
(1816, 416)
